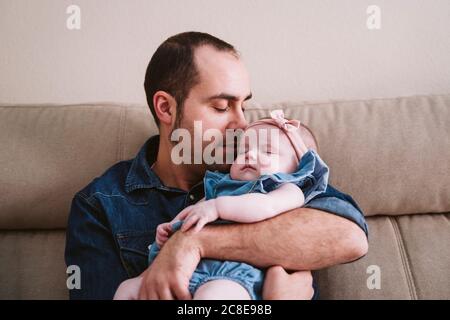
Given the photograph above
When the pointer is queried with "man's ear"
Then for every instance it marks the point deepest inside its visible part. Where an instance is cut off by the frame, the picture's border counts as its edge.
(165, 107)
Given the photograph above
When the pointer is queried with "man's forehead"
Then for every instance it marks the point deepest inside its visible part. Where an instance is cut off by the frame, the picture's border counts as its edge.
(221, 74)
(207, 55)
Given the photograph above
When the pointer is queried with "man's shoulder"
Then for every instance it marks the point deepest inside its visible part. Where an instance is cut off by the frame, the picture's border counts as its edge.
(332, 192)
(341, 204)
(109, 182)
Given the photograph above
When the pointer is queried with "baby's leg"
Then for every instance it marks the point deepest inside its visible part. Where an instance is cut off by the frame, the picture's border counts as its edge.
(280, 285)
(129, 289)
(221, 289)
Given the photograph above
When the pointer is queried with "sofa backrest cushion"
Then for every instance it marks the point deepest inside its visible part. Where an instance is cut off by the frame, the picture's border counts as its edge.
(51, 152)
(391, 155)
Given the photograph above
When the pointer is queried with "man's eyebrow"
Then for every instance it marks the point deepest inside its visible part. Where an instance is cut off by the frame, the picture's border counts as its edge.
(227, 96)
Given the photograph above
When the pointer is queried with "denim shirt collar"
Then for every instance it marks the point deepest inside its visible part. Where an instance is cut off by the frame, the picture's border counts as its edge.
(140, 174)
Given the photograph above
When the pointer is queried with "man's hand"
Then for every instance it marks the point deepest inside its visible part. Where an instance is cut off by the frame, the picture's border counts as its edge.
(280, 285)
(168, 276)
(198, 215)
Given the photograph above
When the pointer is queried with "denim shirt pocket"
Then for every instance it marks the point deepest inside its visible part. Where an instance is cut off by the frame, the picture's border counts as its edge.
(134, 250)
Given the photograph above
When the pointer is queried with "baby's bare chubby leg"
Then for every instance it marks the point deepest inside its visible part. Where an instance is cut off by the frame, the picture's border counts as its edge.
(221, 289)
(129, 289)
(280, 285)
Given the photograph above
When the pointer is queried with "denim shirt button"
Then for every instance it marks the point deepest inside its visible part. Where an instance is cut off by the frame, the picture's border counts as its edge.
(191, 196)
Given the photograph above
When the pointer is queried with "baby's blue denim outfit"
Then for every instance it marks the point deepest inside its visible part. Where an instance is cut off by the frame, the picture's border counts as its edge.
(311, 176)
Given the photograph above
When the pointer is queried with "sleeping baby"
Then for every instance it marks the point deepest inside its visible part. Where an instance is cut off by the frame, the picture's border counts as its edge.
(274, 174)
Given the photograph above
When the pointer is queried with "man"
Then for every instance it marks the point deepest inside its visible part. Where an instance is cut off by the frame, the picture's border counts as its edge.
(196, 77)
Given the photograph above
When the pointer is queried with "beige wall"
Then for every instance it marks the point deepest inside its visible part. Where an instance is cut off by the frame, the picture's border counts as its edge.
(295, 50)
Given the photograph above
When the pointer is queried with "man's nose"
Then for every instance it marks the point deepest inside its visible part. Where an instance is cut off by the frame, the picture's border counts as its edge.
(239, 121)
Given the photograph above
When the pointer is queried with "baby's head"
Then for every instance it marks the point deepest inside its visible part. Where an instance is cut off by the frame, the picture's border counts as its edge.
(268, 146)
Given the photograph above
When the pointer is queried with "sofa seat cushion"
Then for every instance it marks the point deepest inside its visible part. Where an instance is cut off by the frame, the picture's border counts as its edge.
(411, 253)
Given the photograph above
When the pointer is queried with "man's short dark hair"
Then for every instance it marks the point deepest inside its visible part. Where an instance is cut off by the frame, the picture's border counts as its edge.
(172, 67)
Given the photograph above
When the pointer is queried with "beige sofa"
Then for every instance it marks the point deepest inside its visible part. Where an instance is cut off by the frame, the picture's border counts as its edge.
(391, 155)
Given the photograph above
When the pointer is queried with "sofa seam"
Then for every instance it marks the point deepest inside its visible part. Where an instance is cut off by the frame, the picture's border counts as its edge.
(288, 103)
(404, 259)
(417, 289)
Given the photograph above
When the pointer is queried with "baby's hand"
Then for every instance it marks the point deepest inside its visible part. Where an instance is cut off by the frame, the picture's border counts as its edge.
(163, 232)
(198, 214)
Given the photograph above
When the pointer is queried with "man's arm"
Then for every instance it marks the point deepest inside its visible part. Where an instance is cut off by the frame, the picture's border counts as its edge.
(90, 246)
(329, 230)
(302, 239)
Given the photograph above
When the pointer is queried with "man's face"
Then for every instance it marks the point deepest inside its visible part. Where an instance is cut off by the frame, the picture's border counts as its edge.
(217, 100)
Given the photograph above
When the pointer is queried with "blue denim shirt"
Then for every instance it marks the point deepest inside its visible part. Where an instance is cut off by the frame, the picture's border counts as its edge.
(114, 219)
(311, 176)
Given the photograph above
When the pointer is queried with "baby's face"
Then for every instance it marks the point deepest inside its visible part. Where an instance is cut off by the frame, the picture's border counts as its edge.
(263, 149)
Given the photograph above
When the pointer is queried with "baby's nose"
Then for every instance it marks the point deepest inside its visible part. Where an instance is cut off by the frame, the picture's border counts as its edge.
(250, 155)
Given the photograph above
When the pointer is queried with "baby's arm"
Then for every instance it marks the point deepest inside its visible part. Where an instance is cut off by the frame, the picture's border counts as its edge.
(247, 208)
(253, 207)
(163, 232)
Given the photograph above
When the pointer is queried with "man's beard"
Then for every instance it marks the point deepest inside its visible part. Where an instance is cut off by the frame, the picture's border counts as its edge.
(222, 164)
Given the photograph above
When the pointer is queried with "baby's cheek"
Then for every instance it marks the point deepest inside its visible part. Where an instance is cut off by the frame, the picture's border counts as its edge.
(269, 168)
(272, 161)
(240, 159)
(276, 168)
(234, 171)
